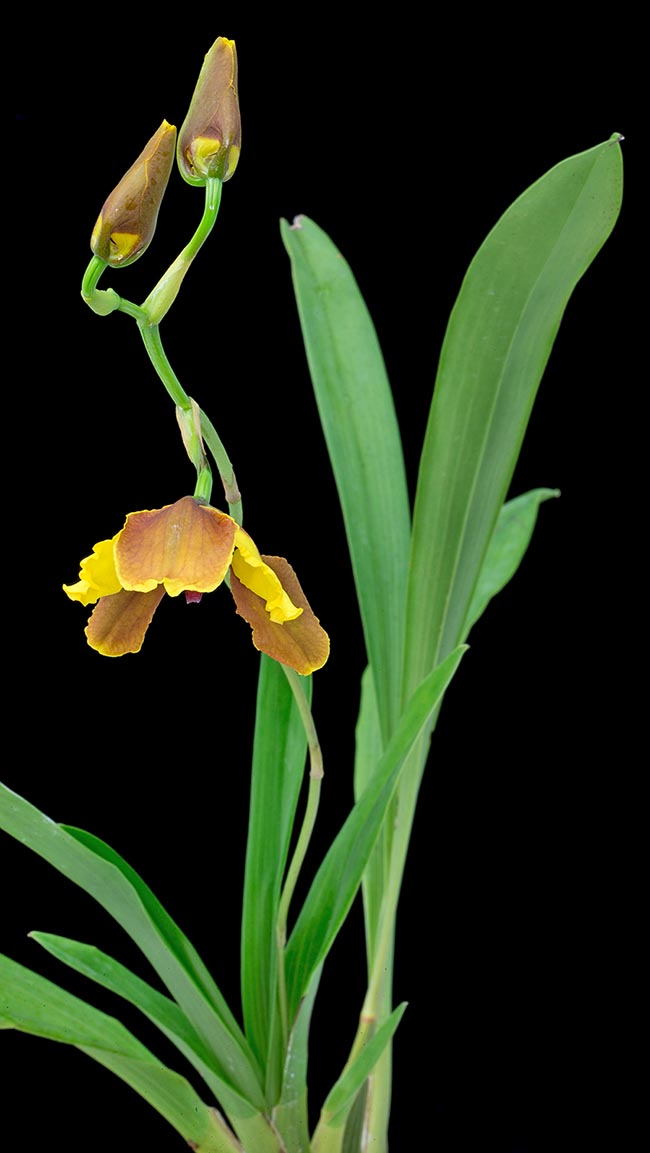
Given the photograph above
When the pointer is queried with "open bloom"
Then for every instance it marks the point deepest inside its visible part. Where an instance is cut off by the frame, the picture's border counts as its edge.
(190, 547)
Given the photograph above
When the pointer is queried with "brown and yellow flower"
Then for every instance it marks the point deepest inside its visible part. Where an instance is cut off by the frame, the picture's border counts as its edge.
(191, 547)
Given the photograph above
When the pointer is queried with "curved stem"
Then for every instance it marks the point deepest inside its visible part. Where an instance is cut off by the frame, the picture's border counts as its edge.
(224, 467)
(148, 317)
(304, 837)
(161, 298)
(158, 357)
(91, 277)
(104, 302)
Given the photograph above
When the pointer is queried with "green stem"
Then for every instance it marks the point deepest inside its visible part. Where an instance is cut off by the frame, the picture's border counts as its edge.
(377, 1002)
(304, 837)
(148, 317)
(106, 302)
(91, 277)
(162, 297)
(224, 467)
(158, 357)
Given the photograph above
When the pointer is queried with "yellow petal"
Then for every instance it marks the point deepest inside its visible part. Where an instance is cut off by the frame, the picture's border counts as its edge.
(97, 576)
(185, 546)
(300, 643)
(249, 567)
(118, 623)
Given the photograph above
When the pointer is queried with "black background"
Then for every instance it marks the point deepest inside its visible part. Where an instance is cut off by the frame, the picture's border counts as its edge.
(405, 141)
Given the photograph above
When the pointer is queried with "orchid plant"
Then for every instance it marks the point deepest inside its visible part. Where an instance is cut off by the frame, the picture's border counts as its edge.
(423, 578)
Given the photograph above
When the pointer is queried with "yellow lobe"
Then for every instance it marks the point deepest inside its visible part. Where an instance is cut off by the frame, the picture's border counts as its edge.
(233, 160)
(301, 643)
(123, 244)
(97, 575)
(97, 231)
(204, 153)
(251, 570)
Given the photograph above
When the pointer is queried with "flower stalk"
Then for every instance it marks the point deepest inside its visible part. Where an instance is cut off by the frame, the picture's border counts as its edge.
(316, 774)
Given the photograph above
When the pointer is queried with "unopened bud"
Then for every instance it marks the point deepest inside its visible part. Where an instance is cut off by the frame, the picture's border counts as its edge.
(127, 221)
(209, 141)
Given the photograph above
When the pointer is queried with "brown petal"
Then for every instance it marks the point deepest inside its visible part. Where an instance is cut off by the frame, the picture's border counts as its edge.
(302, 643)
(118, 622)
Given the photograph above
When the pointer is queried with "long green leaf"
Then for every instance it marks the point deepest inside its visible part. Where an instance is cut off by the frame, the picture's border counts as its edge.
(339, 876)
(368, 748)
(34, 1005)
(99, 870)
(340, 1098)
(291, 1112)
(358, 418)
(278, 771)
(163, 1012)
(496, 347)
(508, 545)
(506, 550)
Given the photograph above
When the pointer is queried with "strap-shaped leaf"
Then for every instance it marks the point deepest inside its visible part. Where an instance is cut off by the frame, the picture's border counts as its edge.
(506, 550)
(34, 1005)
(340, 1098)
(103, 874)
(163, 1012)
(496, 347)
(278, 771)
(339, 876)
(358, 418)
(291, 1113)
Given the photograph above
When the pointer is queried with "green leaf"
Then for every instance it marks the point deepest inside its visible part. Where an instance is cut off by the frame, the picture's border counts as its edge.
(163, 1012)
(99, 870)
(34, 1005)
(358, 418)
(497, 343)
(341, 1097)
(339, 876)
(291, 1113)
(506, 550)
(278, 772)
(368, 749)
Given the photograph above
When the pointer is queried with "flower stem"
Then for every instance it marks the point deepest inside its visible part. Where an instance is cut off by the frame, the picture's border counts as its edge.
(224, 467)
(104, 302)
(158, 357)
(148, 317)
(304, 837)
(161, 298)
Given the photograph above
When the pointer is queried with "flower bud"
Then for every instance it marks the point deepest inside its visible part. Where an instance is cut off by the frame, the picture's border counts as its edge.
(210, 139)
(127, 221)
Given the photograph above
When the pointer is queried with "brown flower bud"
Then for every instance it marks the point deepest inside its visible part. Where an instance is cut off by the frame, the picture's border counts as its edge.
(127, 221)
(209, 141)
